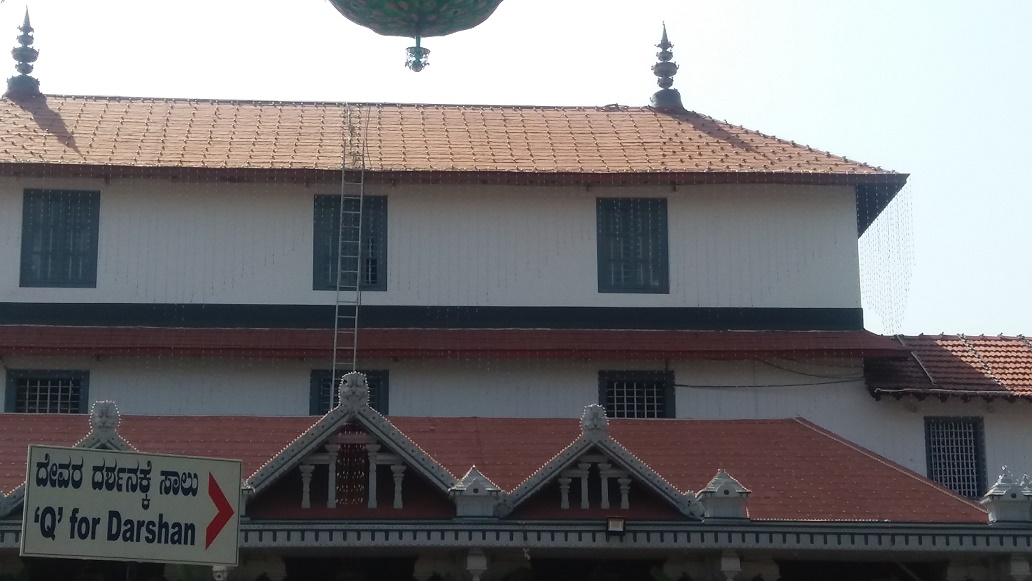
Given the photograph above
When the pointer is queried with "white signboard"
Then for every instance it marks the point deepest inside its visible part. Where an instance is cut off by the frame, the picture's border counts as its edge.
(99, 504)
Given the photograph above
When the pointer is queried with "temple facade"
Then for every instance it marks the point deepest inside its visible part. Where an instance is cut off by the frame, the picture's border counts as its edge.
(492, 343)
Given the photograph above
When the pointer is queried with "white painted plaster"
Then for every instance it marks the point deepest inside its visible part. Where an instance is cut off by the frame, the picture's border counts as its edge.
(217, 242)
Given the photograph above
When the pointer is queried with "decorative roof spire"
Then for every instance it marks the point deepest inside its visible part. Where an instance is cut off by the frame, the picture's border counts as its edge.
(666, 99)
(22, 86)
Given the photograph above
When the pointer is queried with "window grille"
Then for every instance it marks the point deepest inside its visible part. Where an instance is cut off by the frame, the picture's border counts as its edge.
(47, 392)
(637, 394)
(632, 245)
(59, 238)
(373, 264)
(324, 392)
(956, 454)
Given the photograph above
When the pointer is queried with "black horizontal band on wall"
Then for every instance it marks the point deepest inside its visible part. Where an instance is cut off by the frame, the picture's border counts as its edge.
(379, 316)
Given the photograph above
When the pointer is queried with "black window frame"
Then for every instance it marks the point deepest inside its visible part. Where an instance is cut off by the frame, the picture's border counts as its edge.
(68, 223)
(607, 376)
(644, 221)
(325, 227)
(933, 459)
(82, 376)
(321, 390)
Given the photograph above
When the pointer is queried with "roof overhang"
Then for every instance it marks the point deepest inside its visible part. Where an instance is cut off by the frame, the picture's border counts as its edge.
(874, 191)
(444, 343)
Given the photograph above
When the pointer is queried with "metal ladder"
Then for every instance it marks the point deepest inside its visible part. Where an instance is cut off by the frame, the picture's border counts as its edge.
(348, 295)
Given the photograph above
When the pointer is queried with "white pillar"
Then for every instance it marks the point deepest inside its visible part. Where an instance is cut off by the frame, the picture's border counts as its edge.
(584, 466)
(564, 490)
(603, 472)
(331, 478)
(625, 493)
(399, 473)
(372, 449)
(306, 485)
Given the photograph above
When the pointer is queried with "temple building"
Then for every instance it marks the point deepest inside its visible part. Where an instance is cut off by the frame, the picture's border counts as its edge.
(494, 343)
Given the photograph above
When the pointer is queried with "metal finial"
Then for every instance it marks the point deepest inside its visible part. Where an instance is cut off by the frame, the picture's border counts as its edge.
(23, 86)
(417, 56)
(667, 99)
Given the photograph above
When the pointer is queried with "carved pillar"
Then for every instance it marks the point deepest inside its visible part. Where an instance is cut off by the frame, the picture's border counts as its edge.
(331, 478)
(306, 485)
(583, 468)
(399, 473)
(564, 490)
(625, 492)
(603, 472)
(372, 449)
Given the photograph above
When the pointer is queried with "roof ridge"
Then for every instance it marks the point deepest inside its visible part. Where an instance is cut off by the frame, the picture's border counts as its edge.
(888, 463)
(342, 103)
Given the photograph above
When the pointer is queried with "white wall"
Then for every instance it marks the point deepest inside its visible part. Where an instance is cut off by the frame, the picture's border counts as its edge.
(707, 390)
(173, 242)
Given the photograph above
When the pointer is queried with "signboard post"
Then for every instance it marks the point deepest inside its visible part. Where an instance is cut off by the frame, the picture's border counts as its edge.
(99, 504)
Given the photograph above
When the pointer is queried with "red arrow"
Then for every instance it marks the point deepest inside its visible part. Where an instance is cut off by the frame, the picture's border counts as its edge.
(225, 512)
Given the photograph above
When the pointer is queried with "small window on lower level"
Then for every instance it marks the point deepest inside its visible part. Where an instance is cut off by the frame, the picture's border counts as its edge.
(324, 392)
(636, 394)
(47, 392)
(955, 449)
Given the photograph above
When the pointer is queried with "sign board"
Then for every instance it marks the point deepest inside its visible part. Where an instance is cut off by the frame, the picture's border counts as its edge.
(100, 504)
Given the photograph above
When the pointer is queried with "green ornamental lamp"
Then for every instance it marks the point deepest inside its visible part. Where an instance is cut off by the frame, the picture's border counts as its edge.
(416, 19)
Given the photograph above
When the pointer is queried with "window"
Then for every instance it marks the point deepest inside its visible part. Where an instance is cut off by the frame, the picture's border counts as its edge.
(636, 394)
(324, 393)
(372, 268)
(632, 245)
(59, 238)
(47, 392)
(956, 454)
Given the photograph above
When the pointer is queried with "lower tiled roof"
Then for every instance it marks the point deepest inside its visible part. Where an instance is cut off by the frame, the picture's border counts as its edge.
(441, 343)
(956, 366)
(795, 470)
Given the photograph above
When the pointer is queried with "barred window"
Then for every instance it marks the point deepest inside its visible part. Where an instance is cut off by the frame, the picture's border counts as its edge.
(956, 454)
(632, 245)
(59, 238)
(324, 392)
(636, 394)
(47, 392)
(372, 263)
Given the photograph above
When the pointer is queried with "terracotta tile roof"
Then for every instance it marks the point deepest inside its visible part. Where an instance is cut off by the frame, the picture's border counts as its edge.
(956, 366)
(181, 133)
(795, 470)
(442, 343)
(251, 440)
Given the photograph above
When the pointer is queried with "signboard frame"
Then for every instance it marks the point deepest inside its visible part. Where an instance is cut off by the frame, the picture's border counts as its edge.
(89, 503)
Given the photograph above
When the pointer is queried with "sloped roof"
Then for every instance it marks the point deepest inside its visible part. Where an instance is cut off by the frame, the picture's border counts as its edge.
(795, 470)
(146, 132)
(956, 366)
(442, 343)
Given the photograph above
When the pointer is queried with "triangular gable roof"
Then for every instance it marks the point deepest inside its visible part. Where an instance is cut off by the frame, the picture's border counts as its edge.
(594, 435)
(353, 408)
(795, 470)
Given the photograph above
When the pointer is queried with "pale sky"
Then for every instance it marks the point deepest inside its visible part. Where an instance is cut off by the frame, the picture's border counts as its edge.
(939, 90)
